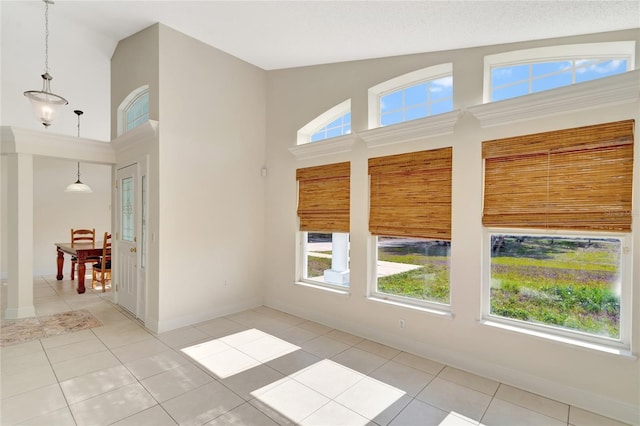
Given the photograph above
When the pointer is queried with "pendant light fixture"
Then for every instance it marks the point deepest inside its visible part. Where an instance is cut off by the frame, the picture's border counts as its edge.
(78, 186)
(45, 104)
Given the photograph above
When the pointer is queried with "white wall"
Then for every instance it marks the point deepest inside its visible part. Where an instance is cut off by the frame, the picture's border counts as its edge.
(205, 175)
(212, 148)
(590, 379)
(56, 212)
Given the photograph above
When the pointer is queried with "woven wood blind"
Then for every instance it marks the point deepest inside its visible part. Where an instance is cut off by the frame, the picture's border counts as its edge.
(575, 179)
(411, 195)
(324, 197)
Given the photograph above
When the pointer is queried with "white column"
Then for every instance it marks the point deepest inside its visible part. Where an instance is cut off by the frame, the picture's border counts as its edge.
(20, 236)
(339, 272)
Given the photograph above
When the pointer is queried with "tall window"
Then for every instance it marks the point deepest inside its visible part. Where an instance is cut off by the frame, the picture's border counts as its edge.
(519, 73)
(134, 110)
(557, 208)
(330, 124)
(418, 94)
(410, 218)
(323, 211)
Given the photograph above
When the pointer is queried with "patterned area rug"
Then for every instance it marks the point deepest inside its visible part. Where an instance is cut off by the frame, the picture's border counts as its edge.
(27, 329)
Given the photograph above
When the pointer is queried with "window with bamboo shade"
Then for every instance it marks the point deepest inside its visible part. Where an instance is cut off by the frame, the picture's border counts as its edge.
(573, 179)
(324, 197)
(410, 194)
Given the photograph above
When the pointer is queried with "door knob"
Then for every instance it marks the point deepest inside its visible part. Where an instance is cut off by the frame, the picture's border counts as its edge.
(132, 250)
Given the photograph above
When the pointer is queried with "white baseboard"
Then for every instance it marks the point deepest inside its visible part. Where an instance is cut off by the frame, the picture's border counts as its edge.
(186, 320)
(596, 403)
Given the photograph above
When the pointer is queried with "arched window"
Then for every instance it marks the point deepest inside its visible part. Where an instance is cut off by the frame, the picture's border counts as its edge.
(134, 110)
(518, 73)
(418, 94)
(330, 124)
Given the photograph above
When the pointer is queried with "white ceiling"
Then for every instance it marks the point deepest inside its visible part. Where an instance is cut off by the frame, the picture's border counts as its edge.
(268, 34)
(283, 34)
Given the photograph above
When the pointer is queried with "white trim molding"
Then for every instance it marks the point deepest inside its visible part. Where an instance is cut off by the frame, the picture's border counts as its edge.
(609, 91)
(34, 142)
(330, 146)
(434, 125)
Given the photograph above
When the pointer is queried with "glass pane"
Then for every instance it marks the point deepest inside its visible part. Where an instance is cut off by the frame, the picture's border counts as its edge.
(511, 74)
(391, 102)
(318, 136)
(332, 133)
(551, 82)
(137, 112)
(441, 88)
(143, 221)
(571, 283)
(600, 69)
(545, 68)
(321, 266)
(510, 92)
(441, 107)
(127, 210)
(415, 95)
(393, 118)
(414, 268)
(335, 123)
(413, 113)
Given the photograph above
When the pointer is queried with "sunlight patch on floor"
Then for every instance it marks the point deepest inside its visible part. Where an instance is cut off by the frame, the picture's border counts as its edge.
(328, 393)
(238, 352)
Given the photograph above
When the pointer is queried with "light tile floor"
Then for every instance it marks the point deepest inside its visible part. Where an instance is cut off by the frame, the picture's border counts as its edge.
(257, 367)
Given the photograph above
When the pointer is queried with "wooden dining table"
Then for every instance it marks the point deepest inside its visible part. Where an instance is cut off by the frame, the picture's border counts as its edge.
(84, 252)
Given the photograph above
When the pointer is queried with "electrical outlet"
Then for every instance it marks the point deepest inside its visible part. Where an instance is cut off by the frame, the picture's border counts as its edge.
(401, 323)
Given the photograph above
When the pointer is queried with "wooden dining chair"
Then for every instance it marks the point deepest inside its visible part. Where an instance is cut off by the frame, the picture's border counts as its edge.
(81, 236)
(102, 269)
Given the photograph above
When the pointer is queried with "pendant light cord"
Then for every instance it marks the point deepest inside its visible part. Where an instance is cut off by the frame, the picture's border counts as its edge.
(78, 113)
(46, 36)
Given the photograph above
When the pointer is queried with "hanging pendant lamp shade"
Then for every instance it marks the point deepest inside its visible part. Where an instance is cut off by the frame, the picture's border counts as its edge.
(44, 103)
(78, 186)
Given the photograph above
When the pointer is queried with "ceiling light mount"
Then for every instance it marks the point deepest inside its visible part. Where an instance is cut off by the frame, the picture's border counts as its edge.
(45, 104)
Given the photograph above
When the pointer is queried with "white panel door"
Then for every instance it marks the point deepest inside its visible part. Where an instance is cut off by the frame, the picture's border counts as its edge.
(127, 247)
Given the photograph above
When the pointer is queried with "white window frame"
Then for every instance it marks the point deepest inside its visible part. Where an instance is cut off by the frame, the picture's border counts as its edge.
(401, 82)
(563, 334)
(301, 266)
(305, 132)
(126, 103)
(570, 52)
(408, 302)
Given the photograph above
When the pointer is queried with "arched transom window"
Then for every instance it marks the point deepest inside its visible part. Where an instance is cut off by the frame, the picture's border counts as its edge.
(330, 124)
(519, 73)
(134, 110)
(418, 94)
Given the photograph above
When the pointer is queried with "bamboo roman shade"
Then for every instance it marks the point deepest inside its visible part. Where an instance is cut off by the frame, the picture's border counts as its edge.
(575, 179)
(411, 195)
(324, 197)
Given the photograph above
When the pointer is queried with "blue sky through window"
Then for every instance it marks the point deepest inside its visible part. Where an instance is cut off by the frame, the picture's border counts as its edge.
(420, 100)
(338, 127)
(519, 80)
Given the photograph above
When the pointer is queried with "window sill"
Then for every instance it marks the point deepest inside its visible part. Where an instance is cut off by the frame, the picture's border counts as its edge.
(624, 353)
(321, 287)
(438, 312)
(330, 146)
(435, 125)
